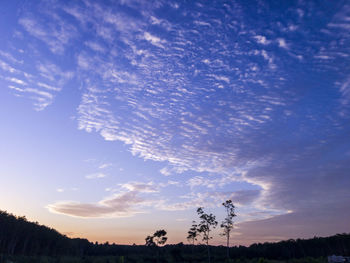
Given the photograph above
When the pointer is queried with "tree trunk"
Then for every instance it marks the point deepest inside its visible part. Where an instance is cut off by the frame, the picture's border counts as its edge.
(24, 248)
(208, 251)
(193, 248)
(12, 245)
(228, 248)
(157, 254)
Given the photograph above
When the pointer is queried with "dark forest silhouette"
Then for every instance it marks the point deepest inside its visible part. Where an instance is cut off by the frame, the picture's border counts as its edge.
(20, 237)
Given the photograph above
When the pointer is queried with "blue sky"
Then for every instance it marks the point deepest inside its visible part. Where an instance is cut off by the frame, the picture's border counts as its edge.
(122, 117)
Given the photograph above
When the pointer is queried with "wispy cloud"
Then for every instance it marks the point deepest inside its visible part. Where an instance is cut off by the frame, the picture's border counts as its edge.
(17, 81)
(154, 40)
(123, 204)
(6, 67)
(117, 206)
(56, 33)
(140, 187)
(95, 176)
(234, 133)
(40, 85)
(214, 199)
(282, 43)
(105, 165)
(95, 46)
(262, 40)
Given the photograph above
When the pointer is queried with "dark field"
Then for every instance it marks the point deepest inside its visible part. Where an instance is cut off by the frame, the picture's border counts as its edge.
(144, 259)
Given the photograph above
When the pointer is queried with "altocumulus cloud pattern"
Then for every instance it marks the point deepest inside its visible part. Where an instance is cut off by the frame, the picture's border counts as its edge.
(248, 91)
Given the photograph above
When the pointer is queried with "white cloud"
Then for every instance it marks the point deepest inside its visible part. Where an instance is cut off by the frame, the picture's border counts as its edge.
(95, 176)
(140, 187)
(282, 43)
(154, 40)
(56, 33)
(7, 67)
(262, 40)
(165, 171)
(269, 58)
(48, 87)
(220, 78)
(202, 23)
(123, 204)
(17, 81)
(345, 91)
(95, 46)
(105, 165)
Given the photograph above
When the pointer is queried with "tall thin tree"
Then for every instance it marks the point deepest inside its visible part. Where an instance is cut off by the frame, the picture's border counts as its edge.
(227, 224)
(192, 234)
(204, 227)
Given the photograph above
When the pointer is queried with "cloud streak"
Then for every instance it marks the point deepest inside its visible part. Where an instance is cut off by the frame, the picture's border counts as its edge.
(123, 204)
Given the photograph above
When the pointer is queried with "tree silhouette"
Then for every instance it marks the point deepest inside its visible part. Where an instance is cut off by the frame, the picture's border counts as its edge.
(150, 242)
(192, 234)
(204, 227)
(156, 240)
(160, 237)
(227, 223)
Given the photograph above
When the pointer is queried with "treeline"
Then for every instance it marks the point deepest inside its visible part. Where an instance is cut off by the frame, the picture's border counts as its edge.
(20, 237)
(315, 247)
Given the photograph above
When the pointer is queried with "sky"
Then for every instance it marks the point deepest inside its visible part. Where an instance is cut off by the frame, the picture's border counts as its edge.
(119, 118)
